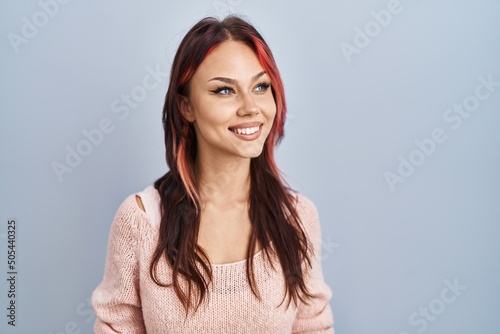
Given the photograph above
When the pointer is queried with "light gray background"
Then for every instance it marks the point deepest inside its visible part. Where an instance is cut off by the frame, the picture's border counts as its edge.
(387, 252)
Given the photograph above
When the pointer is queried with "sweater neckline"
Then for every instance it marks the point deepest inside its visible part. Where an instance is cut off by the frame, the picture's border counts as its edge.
(237, 263)
(151, 200)
(227, 265)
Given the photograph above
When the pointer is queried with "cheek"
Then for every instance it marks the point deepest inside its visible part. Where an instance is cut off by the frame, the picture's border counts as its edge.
(211, 114)
(271, 111)
(268, 106)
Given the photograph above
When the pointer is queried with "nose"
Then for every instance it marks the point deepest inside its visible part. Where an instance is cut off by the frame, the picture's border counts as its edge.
(248, 106)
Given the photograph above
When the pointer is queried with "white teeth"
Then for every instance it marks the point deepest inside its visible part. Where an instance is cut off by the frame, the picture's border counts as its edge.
(247, 131)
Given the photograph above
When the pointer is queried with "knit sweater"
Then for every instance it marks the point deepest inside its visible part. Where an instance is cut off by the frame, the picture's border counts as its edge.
(128, 301)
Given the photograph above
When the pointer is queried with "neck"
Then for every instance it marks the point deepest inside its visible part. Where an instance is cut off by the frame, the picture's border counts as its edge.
(223, 183)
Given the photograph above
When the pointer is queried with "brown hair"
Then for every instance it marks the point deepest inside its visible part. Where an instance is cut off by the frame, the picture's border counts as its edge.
(272, 207)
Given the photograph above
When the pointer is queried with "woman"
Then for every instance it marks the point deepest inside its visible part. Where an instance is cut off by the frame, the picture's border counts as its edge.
(219, 244)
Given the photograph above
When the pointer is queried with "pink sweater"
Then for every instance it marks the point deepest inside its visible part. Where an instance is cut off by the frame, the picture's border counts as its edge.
(128, 301)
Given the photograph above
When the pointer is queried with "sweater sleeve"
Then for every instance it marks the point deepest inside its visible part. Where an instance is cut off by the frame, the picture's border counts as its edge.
(317, 317)
(116, 299)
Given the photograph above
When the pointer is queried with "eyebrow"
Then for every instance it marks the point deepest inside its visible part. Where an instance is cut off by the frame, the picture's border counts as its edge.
(233, 81)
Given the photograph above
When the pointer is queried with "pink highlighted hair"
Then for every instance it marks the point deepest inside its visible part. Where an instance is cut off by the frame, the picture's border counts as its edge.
(272, 211)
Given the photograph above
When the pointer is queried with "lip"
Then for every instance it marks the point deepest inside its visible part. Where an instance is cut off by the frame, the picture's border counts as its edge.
(251, 137)
(246, 125)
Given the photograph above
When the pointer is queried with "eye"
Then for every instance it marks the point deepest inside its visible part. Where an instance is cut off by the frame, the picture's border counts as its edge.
(223, 90)
(262, 87)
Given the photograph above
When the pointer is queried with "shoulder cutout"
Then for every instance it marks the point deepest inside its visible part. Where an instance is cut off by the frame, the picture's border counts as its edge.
(139, 202)
(150, 203)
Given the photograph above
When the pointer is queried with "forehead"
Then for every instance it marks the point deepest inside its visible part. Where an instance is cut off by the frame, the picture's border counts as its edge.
(229, 59)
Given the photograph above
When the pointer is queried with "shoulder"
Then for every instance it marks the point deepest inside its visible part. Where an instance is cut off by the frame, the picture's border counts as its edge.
(130, 228)
(128, 217)
(151, 205)
(305, 206)
(308, 213)
(128, 209)
(137, 207)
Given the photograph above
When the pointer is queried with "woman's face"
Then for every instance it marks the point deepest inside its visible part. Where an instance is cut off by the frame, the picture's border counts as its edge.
(230, 103)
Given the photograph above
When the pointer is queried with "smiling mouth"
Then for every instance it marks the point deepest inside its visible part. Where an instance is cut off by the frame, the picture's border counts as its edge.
(246, 131)
(248, 134)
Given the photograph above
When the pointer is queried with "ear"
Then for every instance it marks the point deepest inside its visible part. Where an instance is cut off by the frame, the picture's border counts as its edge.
(185, 108)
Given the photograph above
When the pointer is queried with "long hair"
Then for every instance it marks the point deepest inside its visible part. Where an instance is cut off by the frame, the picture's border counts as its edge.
(272, 207)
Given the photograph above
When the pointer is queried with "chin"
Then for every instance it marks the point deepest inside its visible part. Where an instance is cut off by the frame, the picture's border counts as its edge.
(254, 154)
